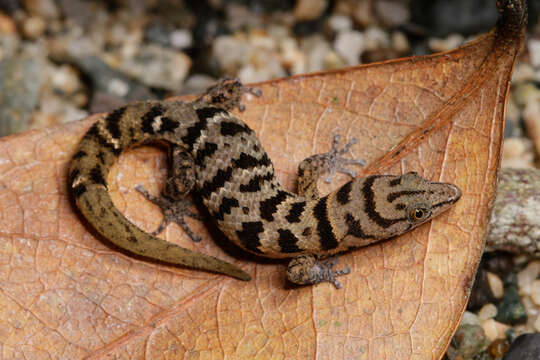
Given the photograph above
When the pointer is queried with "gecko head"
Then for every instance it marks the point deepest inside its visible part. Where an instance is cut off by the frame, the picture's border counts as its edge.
(406, 201)
(227, 94)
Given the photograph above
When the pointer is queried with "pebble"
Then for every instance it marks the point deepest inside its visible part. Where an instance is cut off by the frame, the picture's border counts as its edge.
(526, 92)
(446, 44)
(392, 12)
(42, 8)
(494, 330)
(534, 51)
(22, 79)
(518, 153)
(9, 44)
(537, 324)
(7, 26)
(350, 45)
(525, 347)
(400, 43)
(309, 9)
(511, 310)
(495, 284)
(181, 39)
(33, 27)
(528, 276)
(514, 225)
(522, 72)
(154, 66)
(469, 318)
(487, 312)
(498, 348)
(66, 80)
(376, 38)
(468, 341)
(338, 23)
(531, 115)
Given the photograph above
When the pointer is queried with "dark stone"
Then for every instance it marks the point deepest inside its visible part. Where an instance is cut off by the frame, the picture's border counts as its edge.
(481, 291)
(511, 310)
(500, 263)
(10, 6)
(443, 17)
(308, 27)
(525, 347)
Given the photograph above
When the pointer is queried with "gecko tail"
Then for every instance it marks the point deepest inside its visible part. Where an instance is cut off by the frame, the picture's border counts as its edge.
(124, 234)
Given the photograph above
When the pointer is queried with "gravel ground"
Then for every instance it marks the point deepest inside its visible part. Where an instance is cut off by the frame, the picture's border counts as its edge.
(71, 58)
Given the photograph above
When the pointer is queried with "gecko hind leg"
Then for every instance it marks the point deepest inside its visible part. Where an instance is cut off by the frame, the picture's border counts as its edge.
(172, 202)
(308, 270)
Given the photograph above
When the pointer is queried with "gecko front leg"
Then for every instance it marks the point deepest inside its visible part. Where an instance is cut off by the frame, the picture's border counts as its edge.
(310, 269)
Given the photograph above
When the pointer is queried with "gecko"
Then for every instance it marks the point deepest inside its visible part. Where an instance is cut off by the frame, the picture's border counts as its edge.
(217, 156)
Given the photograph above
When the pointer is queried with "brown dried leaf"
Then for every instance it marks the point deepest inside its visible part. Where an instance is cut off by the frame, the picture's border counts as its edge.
(65, 294)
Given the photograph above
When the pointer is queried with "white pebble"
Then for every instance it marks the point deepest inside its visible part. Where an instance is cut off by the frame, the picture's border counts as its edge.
(527, 276)
(309, 9)
(535, 292)
(350, 44)
(495, 284)
(487, 312)
(400, 43)
(181, 39)
(534, 51)
(118, 87)
(375, 38)
(494, 330)
(338, 23)
(470, 318)
(449, 43)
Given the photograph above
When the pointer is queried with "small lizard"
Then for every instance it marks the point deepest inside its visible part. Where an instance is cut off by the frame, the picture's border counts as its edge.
(216, 153)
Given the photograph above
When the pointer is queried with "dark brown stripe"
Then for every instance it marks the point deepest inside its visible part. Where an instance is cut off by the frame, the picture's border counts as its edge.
(393, 196)
(148, 118)
(221, 177)
(230, 128)
(395, 182)
(246, 161)
(94, 134)
(443, 203)
(167, 125)
(324, 228)
(296, 211)
(97, 176)
(288, 242)
(256, 182)
(112, 122)
(269, 206)
(79, 190)
(208, 150)
(225, 207)
(343, 194)
(79, 154)
(369, 204)
(249, 235)
(354, 227)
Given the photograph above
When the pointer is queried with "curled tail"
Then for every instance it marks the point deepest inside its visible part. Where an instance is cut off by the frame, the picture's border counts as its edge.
(89, 168)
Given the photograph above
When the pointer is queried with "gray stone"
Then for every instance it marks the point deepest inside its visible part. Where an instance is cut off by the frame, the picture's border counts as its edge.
(21, 81)
(511, 310)
(515, 220)
(468, 341)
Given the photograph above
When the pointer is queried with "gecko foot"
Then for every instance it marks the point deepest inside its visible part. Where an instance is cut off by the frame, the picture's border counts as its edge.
(173, 211)
(336, 162)
(307, 269)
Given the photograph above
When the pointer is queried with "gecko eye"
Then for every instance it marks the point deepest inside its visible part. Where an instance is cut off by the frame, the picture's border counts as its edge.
(418, 214)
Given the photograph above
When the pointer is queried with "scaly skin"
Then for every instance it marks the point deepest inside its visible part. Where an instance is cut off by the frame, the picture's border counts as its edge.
(216, 153)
